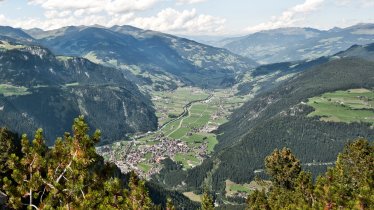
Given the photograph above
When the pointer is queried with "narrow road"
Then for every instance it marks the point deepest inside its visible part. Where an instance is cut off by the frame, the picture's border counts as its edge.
(185, 111)
(183, 114)
(181, 122)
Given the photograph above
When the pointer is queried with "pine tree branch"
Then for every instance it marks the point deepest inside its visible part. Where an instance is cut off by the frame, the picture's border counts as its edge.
(84, 196)
(32, 205)
(65, 169)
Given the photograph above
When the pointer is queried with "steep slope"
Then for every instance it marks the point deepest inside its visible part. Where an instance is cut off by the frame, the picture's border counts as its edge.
(15, 34)
(365, 52)
(38, 89)
(279, 118)
(269, 76)
(155, 59)
(289, 44)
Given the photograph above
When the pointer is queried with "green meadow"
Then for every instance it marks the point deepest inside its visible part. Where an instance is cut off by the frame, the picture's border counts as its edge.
(355, 105)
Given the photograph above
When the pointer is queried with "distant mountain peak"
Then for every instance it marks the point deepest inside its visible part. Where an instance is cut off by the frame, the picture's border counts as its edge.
(294, 43)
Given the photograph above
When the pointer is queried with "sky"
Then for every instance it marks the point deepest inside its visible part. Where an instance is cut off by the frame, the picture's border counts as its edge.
(188, 17)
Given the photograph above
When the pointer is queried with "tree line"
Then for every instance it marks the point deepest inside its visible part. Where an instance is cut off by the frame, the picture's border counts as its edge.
(347, 185)
(69, 175)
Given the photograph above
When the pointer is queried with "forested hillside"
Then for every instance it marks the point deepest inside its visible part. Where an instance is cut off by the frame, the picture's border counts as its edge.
(157, 60)
(279, 118)
(253, 126)
(38, 89)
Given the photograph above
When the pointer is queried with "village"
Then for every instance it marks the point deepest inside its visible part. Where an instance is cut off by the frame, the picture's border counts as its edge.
(188, 118)
(137, 153)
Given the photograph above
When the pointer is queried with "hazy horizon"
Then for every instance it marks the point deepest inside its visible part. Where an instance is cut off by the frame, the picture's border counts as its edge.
(188, 17)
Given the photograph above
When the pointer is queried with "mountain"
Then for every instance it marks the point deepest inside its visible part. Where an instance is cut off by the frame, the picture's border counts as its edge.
(365, 52)
(212, 40)
(155, 59)
(15, 35)
(290, 44)
(268, 76)
(39, 89)
(280, 117)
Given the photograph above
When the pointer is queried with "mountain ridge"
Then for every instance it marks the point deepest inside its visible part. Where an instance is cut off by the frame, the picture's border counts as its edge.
(44, 91)
(288, 44)
(148, 55)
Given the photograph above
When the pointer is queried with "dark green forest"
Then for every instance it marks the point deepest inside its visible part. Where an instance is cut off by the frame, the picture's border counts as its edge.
(249, 135)
(71, 175)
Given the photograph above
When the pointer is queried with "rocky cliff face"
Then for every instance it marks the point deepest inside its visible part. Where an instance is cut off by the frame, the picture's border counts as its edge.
(38, 89)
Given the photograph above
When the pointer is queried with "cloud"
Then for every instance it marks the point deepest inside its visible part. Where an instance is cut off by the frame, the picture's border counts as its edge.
(123, 12)
(168, 20)
(58, 20)
(186, 22)
(288, 17)
(189, 1)
(96, 6)
(362, 3)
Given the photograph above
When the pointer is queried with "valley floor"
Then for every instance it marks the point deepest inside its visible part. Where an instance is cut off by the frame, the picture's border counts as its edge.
(187, 118)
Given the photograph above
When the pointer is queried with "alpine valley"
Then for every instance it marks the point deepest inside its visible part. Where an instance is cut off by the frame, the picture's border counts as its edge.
(189, 117)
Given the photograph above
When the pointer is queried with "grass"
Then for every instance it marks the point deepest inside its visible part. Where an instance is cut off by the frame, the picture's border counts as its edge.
(212, 141)
(72, 84)
(181, 132)
(7, 46)
(11, 90)
(195, 128)
(91, 56)
(188, 160)
(200, 115)
(192, 196)
(148, 156)
(232, 188)
(144, 167)
(355, 105)
(172, 102)
(64, 58)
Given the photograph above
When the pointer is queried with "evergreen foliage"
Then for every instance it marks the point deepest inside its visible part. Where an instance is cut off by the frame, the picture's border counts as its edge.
(348, 185)
(207, 202)
(169, 204)
(283, 167)
(70, 175)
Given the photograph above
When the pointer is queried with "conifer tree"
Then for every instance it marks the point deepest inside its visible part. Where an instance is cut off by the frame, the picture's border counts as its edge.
(169, 204)
(7, 148)
(283, 167)
(138, 197)
(70, 175)
(348, 185)
(207, 202)
(25, 188)
(257, 201)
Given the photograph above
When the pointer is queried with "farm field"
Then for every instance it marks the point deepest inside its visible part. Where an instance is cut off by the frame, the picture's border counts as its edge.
(169, 104)
(186, 139)
(192, 196)
(242, 190)
(8, 46)
(355, 105)
(187, 119)
(10, 90)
